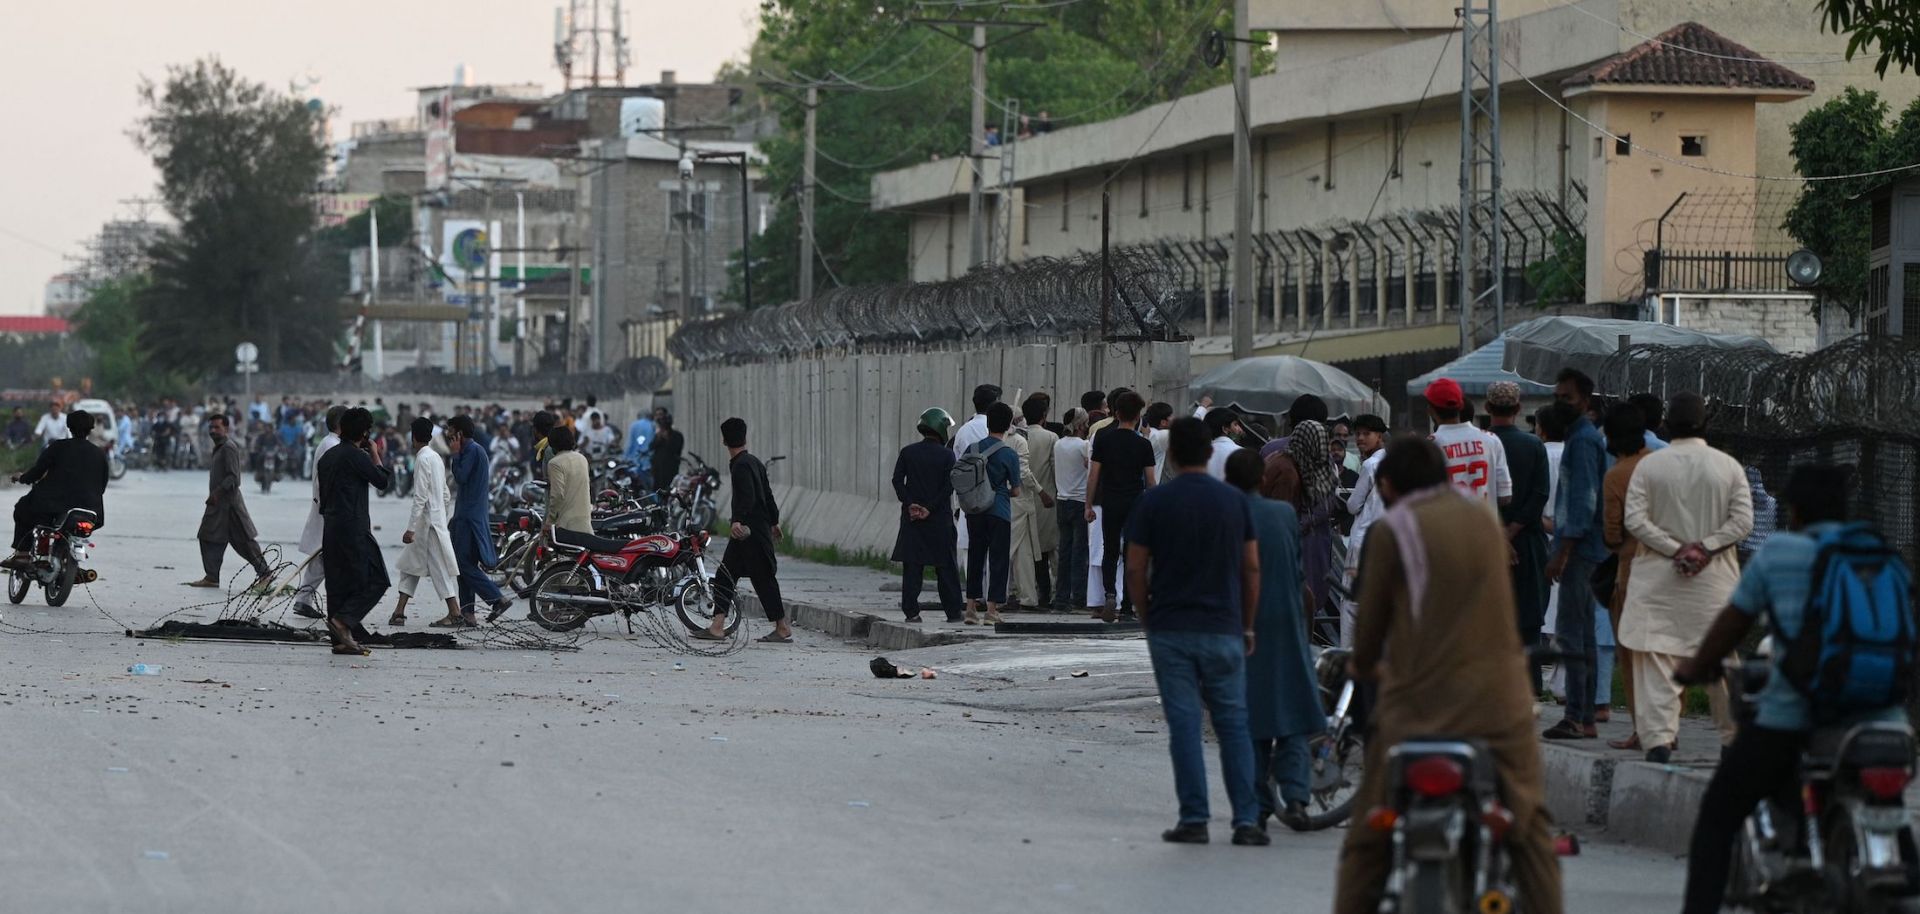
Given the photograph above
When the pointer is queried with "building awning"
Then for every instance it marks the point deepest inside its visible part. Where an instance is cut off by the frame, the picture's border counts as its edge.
(1475, 370)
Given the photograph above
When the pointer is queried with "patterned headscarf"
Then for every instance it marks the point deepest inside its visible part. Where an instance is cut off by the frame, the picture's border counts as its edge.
(1307, 445)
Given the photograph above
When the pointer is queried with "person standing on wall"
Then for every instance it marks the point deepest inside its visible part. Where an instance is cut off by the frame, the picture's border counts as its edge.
(750, 545)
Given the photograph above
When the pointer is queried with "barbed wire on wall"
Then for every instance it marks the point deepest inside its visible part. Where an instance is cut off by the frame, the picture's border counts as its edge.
(1045, 297)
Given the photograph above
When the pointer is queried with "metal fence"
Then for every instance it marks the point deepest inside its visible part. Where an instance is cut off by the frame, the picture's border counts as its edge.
(1715, 271)
(1043, 298)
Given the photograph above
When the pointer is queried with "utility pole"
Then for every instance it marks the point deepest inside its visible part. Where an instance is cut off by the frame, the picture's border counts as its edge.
(685, 218)
(976, 39)
(1482, 248)
(806, 198)
(1244, 295)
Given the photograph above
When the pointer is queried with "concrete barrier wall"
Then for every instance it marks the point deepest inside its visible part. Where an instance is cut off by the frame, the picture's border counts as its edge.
(840, 419)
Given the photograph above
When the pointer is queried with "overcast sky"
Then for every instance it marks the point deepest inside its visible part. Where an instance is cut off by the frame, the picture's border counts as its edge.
(71, 70)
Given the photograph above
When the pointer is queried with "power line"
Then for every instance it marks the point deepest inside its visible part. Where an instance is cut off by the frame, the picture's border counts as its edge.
(1596, 128)
(1192, 32)
(1400, 142)
(27, 239)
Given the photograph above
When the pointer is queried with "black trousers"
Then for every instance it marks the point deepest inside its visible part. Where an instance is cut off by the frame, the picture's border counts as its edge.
(24, 520)
(989, 545)
(947, 579)
(1760, 763)
(1113, 522)
(211, 555)
(749, 559)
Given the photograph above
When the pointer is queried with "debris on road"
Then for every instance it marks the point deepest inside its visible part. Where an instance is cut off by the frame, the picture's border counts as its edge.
(144, 669)
(1080, 674)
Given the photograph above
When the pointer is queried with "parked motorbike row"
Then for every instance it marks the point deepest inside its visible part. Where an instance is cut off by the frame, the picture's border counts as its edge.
(646, 552)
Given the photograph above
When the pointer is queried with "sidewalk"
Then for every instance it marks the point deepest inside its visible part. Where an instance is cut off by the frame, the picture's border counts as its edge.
(859, 603)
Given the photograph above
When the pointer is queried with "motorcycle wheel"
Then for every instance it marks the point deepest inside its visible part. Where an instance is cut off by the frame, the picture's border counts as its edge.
(116, 468)
(693, 603)
(266, 484)
(1435, 887)
(1335, 780)
(17, 585)
(566, 580)
(62, 586)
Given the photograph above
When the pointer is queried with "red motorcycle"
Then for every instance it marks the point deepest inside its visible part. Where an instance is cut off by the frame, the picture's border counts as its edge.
(640, 575)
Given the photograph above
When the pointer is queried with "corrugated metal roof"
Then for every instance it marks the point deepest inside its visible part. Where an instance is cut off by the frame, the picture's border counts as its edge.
(1475, 370)
(33, 324)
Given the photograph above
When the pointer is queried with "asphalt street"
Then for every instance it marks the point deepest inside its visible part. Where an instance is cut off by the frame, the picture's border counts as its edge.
(268, 778)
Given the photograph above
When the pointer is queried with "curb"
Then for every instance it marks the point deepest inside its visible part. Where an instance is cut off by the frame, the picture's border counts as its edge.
(1636, 803)
(876, 632)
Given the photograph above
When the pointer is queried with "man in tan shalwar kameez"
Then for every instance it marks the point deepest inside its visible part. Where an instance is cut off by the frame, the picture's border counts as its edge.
(1435, 627)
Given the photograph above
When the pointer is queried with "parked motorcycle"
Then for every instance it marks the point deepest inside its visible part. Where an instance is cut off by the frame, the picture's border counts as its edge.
(642, 575)
(1337, 756)
(59, 559)
(1844, 841)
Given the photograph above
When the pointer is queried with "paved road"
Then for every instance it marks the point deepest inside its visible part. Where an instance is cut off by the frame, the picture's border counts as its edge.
(502, 780)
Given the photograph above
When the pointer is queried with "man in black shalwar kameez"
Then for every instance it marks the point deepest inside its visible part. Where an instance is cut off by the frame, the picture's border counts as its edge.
(356, 574)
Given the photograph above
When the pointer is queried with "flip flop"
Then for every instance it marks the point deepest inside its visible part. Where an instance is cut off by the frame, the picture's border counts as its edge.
(447, 623)
(397, 620)
(774, 638)
(704, 635)
(347, 651)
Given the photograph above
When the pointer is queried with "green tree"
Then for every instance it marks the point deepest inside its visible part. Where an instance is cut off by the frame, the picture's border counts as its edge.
(237, 164)
(1890, 27)
(905, 97)
(1849, 135)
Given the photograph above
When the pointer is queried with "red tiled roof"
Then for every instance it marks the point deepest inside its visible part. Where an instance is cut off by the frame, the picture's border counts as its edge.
(29, 324)
(1690, 54)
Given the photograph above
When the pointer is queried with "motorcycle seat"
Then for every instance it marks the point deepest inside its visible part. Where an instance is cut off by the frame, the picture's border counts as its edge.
(591, 543)
(1860, 746)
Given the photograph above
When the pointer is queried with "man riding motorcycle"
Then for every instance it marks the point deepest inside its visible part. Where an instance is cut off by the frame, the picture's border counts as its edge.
(1764, 759)
(71, 473)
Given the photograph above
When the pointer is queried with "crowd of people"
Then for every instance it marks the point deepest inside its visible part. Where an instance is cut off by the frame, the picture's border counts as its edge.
(1447, 557)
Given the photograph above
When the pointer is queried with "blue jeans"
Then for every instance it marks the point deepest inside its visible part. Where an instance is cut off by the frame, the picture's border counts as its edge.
(1070, 559)
(1194, 669)
(1573, 628)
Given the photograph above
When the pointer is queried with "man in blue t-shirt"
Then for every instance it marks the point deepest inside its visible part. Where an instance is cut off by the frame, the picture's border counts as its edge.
(1764, 758)
(1193, 572)
(990, 533)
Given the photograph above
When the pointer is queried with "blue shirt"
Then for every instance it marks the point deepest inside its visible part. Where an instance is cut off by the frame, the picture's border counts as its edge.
(639, 442)
(1003, 473)
(1195, 528)
(1653, 441)
(1576, 507)
(1776, 583)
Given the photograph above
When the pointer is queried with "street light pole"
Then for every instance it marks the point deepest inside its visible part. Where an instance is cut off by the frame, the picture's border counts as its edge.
(1243, 295)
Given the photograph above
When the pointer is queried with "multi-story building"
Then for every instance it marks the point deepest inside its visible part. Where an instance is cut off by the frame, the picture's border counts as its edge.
(1612, 110)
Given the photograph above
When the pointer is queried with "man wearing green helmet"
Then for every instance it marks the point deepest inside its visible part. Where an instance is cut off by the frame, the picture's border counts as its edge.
(922, 478)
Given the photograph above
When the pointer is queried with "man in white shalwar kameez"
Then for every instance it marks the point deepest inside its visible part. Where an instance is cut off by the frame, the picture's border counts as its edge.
(429, 546)
(305, 599)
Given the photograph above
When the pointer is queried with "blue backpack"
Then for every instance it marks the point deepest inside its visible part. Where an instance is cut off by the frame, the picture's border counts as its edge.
(1855, 648)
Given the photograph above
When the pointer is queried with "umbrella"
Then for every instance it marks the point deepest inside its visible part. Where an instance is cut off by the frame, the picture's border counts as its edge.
(1540, 348)
(1269, 384)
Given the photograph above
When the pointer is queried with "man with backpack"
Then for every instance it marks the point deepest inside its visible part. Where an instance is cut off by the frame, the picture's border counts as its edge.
(1688, 506)
(1832, 592)
(986, 479)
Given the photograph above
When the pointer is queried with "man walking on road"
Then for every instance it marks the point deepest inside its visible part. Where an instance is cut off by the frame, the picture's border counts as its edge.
(1689, 505)
(356, 572)
(1193, 573)
(225, 520)
(305, 599)
(749, 555)
(1522, 518)
(428, 550)
(471, 473)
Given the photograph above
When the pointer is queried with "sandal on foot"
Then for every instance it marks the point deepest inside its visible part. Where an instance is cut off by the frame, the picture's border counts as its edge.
(447, 622)
(398, 620)
(774, 638)
(351, 650)
(704, 635)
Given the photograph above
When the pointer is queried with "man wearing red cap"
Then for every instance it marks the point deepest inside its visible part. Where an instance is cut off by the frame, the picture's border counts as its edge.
(1476, 462)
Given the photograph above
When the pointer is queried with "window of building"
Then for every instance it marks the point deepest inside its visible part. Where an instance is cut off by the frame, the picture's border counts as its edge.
(1623, 144)
(1186, 181)
(697, 218)
(1066, 201)
(1146, 178)
(1693, 145)
(1599, 147)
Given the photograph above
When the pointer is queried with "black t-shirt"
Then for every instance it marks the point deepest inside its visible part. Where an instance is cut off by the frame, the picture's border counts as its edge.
(1124, 457)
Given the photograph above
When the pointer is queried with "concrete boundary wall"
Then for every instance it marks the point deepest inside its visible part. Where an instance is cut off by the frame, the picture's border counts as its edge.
(841, 418)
